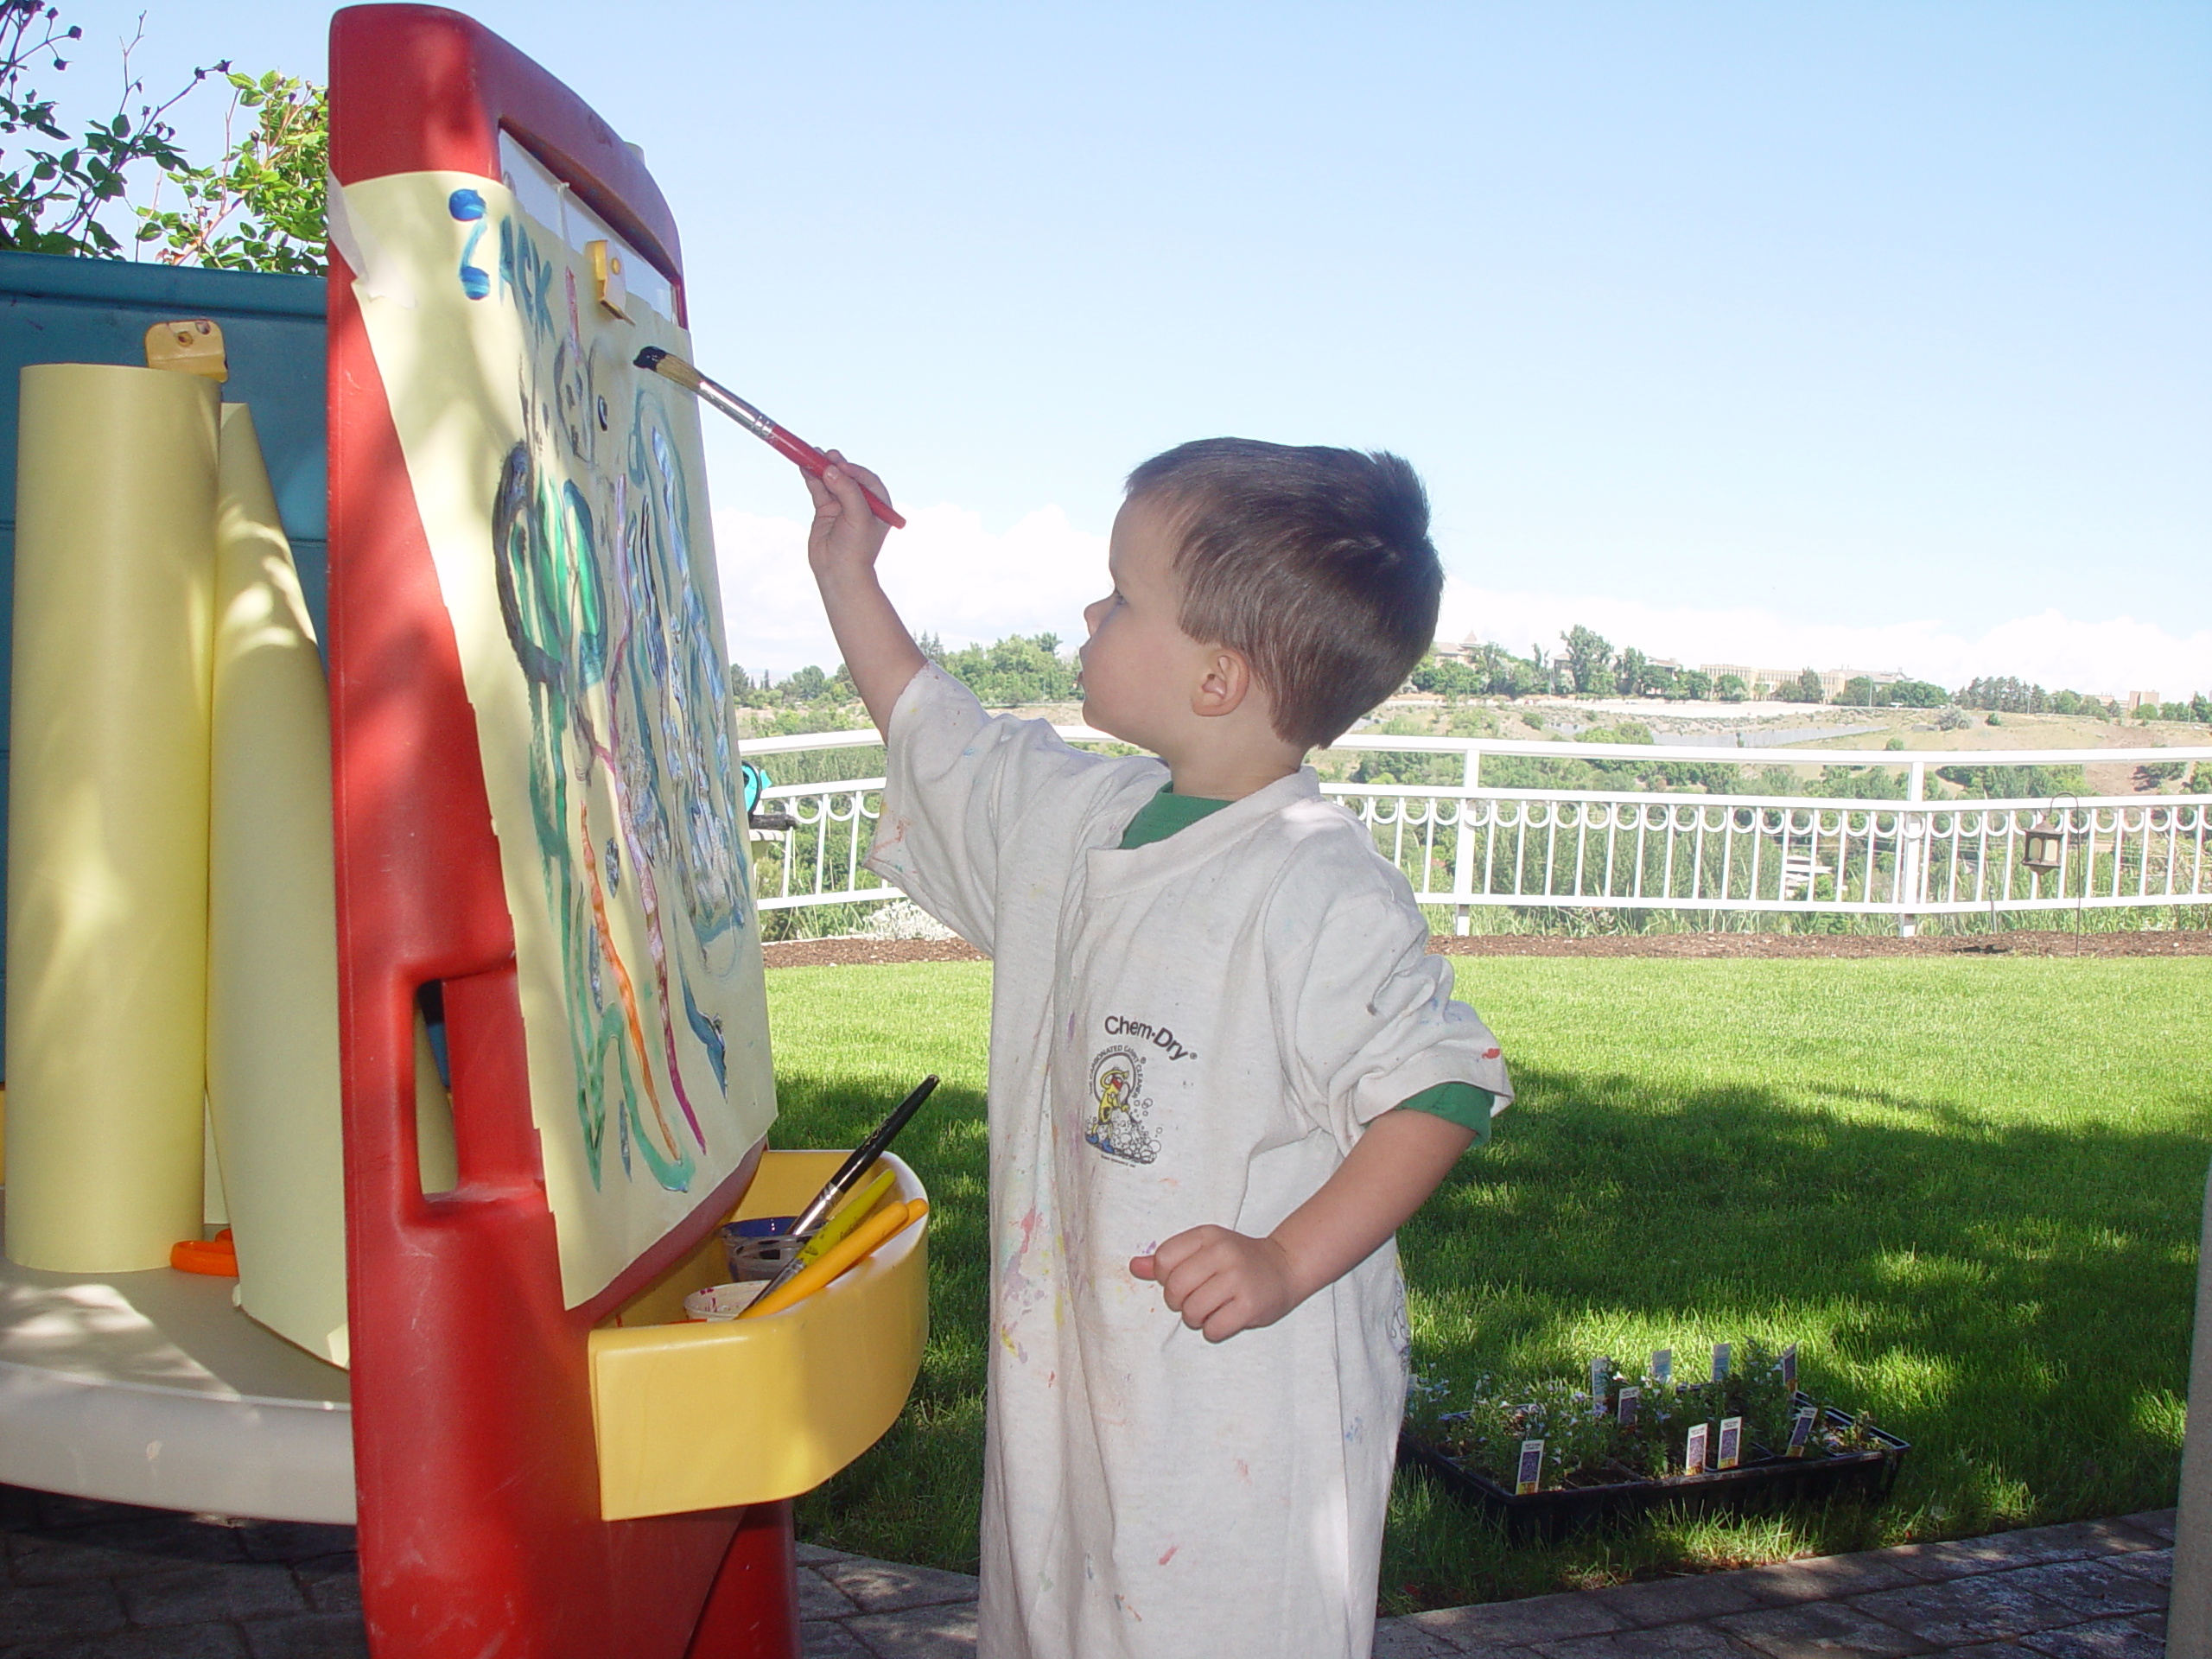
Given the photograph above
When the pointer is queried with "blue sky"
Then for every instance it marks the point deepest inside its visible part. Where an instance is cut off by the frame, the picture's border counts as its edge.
(1871, 333)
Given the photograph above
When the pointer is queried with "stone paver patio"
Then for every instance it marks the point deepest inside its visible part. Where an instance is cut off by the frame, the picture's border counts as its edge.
(87, 1580)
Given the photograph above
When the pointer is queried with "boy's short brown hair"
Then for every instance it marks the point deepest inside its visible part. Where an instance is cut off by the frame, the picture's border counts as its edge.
(1314, 562)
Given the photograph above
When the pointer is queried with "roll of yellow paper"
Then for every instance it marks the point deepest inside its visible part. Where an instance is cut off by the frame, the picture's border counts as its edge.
(272, 935)
(107, 844)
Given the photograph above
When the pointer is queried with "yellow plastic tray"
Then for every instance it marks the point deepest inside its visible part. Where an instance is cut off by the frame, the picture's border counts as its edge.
(746, 1411)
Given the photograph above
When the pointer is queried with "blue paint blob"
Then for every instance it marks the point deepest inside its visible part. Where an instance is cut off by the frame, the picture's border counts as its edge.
(475, 281)
(465, 205)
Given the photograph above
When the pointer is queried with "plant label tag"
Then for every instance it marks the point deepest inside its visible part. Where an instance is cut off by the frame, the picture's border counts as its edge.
(1532, 1467)
(1601, 1372)
(1694, 1454)
(1632, 1401)
(1800, 1430)
(1790, 1368)
(1731, 1442)
(1663, 1366)
(1720, 1362)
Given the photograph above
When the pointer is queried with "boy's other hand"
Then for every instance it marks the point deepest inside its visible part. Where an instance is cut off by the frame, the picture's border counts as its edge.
(846, 534)
(1220, 1281)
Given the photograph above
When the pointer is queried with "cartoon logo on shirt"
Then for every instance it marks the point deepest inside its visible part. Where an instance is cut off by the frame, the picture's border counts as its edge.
(1117, 1128)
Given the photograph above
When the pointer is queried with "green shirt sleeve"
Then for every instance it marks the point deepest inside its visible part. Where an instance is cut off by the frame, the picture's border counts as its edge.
(1456, 1103)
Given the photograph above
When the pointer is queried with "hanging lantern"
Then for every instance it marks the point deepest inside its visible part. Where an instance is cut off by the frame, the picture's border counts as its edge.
(2043, 847)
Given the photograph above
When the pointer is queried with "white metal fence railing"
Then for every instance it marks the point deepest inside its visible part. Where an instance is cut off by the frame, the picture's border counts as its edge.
(1464, 845)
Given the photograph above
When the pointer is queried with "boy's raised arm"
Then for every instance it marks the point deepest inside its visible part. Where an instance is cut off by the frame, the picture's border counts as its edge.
(842, 545)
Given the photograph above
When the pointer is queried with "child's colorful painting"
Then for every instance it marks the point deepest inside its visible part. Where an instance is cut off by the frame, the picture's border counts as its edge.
(563, 495)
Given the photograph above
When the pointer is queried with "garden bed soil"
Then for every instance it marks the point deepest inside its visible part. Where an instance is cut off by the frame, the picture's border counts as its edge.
(2024, 942)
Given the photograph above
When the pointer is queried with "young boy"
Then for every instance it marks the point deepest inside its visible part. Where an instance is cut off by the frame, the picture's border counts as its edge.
(1224, 1068)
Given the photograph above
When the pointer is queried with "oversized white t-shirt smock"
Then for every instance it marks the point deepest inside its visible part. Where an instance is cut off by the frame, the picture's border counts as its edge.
(1195, 1031)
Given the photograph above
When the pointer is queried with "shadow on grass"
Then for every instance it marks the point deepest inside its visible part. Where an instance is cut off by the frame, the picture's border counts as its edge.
(2012, 1295)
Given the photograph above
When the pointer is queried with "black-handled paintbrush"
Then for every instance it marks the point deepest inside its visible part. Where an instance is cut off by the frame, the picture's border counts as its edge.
(834, 1191)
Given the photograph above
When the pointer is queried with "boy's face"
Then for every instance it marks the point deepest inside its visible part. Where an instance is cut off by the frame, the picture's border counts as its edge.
(1139, 667)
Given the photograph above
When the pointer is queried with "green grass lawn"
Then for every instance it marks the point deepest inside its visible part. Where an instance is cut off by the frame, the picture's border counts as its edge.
(1969, 1189)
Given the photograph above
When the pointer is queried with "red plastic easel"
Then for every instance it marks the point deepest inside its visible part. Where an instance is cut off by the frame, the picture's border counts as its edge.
(474, 1456)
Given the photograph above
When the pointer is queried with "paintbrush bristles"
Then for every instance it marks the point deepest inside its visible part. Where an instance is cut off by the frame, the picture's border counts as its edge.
(668, 364)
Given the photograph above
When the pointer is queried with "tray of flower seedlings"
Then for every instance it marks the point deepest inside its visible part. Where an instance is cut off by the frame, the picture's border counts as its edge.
(1549, 1456)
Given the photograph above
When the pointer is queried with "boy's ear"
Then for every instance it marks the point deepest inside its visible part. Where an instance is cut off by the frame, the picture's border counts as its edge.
(1223, 686)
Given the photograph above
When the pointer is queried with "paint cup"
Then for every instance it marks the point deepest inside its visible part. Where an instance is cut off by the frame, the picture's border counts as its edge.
(720, 1302)
(759, 1248)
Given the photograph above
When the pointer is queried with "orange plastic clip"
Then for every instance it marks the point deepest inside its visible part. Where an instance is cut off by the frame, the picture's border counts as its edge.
(217, 1258)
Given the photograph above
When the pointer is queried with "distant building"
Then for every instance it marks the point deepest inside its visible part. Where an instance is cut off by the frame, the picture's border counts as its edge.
(2137, 699)
(1832, 680)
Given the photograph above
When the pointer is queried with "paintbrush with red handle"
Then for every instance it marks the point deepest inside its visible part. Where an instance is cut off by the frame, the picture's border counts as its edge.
(786, 444)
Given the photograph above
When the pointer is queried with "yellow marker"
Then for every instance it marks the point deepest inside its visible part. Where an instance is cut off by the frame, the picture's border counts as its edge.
(850, 1252)
(849, 1214)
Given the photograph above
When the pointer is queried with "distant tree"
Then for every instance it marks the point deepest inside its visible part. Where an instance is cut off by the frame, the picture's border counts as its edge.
(1860, 691)
(1589, 661)
(1016, 671)
(1730, 689)
(1504, 675)
(2003, 694)
(932, 647)
(2016, 783)
(2200, 708)
(1659, 681)
(740, 681)
(1633, 671)
(1694, 684)
(1806, 688)
(1626, 731)
(1447, 676)
(808, 684)
(1916, 693)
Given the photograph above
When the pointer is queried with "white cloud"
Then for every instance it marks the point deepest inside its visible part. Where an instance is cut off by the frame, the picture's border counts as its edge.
(950, 575)
(947, 574)
(2108, 657)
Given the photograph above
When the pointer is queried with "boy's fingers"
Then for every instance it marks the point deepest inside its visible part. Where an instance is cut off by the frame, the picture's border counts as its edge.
(1145, 1266)
(1206, 1301)
(846, 488)
(867, 478)
(1173, 1253)
(1225, 1324)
